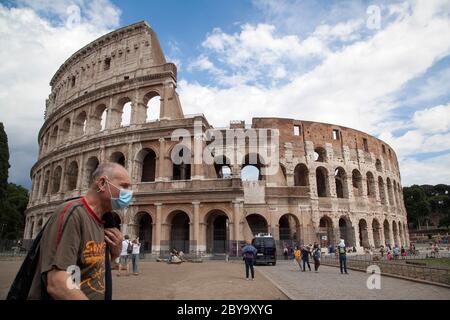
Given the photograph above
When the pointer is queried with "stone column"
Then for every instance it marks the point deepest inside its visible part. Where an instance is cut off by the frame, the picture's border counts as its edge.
(161, 161)
(156, 246)
(370, 234)
(197, 166)
(196, 222)
(331, 184)
(237, 216)
(129, 159)
(80, 173)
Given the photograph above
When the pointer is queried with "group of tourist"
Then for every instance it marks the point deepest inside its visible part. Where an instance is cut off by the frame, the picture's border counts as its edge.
(130, 251)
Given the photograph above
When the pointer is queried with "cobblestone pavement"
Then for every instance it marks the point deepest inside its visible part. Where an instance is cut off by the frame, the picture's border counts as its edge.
(328, 283)
(212, 280)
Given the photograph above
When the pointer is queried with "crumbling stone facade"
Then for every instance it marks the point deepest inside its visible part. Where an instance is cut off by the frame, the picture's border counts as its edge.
(332, 182)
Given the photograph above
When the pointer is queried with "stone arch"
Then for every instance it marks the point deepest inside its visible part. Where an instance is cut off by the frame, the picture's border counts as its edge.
(56, 181)
(390, 194)
(146, 165)
(45, 189)
(376, 229)
(257, 223)
(36, 184)
(217, 231)
(381, 190)
(346, 231)
(65, 130)
(222, 167)
(252, 167)
(387, 232)
(378, 165)
(363, 234)
(179, 230)
(396, 197)
(357, 183)
(98, 120)
(340, 179)
(118, 157)
(371, 187)
(80, 124)
(181, 157)
(126, 114)
(91, 166)
(289, 228)
(144, 223)
(301, 175)
(323, 188)
(152, 101)
(54, 137)
(121, 118)
(320, 154)
(326, 231)
(71, 176)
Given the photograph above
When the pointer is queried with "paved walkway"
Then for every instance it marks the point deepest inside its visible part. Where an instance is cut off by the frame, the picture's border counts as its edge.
(330, 284)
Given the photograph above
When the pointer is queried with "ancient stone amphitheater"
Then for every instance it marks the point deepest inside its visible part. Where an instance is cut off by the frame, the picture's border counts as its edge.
(330, 181)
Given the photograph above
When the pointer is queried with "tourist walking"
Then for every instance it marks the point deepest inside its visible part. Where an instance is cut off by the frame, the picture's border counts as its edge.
(135, 256)
(305, 257)
(297, 256)
(316, 256)
(342, 257)
(249, 253)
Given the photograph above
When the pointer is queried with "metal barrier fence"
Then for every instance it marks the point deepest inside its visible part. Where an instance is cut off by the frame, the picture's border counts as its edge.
(431, 274)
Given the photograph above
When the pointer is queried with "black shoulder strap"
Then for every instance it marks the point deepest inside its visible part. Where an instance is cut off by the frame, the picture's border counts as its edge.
(21, 285)
(109, 223)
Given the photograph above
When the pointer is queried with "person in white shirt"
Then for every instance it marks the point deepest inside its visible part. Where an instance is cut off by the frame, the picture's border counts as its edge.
(135, 256)
(125, 256)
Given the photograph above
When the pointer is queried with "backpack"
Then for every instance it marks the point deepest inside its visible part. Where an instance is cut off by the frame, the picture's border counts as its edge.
(317, 253)
(130, 247)
(21, 285)
(342, 250)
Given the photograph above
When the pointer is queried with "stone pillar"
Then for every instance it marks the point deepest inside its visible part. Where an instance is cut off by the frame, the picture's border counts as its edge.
(237, 216)
(138, 112)
(198, 247)
(129, 159)
(102, 154)
(370, 234)
(80, 173)
(197, 166)
(156, 245)
(161, 176)
(332, 184)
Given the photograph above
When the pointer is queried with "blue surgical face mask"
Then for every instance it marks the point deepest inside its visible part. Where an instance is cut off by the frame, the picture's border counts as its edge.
(124, 199)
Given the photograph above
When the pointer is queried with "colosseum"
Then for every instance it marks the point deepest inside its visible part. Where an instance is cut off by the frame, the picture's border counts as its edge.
(329, 181)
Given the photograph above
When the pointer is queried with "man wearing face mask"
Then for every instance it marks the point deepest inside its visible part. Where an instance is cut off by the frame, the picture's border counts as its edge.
(75, 239)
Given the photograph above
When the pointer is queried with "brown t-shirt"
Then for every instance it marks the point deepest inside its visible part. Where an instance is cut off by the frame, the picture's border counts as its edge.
(74, 235)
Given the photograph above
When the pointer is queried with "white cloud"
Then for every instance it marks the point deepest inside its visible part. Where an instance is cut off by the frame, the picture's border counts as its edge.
(355, 85)
(33, 47)
(430, 171)
(436, 119)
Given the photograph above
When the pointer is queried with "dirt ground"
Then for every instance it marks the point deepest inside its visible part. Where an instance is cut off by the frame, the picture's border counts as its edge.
(212, 280)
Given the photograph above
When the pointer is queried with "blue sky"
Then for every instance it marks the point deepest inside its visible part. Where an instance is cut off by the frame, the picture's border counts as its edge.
(324, 61)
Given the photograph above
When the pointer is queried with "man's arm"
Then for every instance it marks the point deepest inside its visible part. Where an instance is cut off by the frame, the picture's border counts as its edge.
(57, 286)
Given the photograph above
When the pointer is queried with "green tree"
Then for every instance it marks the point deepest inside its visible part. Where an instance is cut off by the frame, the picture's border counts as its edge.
(4, 162)
(417, 204)
(13, 198)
